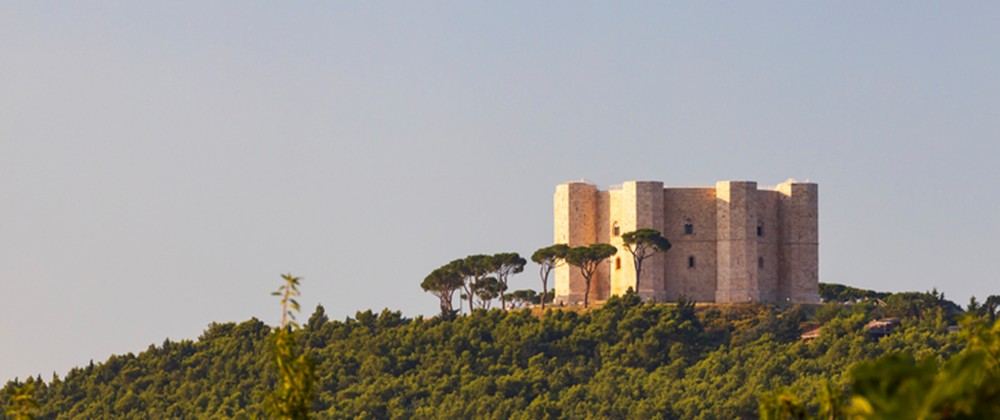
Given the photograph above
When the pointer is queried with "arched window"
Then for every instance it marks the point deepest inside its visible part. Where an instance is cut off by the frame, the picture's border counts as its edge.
(688, 227)
(760, 228)
(615, 230)
(691, 261)
(618, 263)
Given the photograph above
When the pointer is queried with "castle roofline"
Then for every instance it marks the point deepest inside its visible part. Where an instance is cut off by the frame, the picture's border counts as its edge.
(767, 187)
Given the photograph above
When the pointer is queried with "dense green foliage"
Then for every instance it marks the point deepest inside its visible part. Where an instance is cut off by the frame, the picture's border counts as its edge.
(898, 386)
(22, 404)
(833, 292)
(625, 359)
(226, 373)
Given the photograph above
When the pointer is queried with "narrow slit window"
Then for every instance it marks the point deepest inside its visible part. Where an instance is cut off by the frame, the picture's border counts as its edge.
(691, 261)
(618, 263)
(760, 262)
(760, 228)
(615, 230)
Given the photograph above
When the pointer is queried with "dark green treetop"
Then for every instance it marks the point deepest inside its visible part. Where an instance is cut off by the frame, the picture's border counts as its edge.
(505, 264)
(443, 282)
(487, 289)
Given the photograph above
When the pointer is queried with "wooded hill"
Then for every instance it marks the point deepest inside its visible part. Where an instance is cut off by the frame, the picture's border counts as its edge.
(626, 359)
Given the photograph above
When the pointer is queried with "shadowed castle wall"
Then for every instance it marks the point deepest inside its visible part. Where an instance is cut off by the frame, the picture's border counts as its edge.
(767, 231)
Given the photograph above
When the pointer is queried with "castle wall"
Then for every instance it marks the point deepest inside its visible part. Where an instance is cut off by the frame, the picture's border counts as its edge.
(697, 206)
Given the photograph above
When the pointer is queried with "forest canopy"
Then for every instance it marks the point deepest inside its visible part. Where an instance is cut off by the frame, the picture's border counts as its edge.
(624, 359)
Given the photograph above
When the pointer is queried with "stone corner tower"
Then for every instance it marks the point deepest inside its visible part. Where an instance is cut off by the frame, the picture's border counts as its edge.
(738, 276)
(641, 206)
(575, 205)
(799, 251)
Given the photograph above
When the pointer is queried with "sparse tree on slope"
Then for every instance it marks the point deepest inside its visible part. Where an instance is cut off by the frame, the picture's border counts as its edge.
(588, 259)
(521, 298)
(487, 289)
(443, 282)
(474, 269)
(642, 244)
(507, 263)
(547, 258)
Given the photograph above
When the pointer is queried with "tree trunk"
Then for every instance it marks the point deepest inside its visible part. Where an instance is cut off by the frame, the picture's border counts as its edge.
(638, 271)
(472, 298)
(545, 289)
(503, 297)
(445, 306)
(544, 271)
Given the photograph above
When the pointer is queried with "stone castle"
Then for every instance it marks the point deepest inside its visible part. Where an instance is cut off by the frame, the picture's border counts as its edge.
(731, 243)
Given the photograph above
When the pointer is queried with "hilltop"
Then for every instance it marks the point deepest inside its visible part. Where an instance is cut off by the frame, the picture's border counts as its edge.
(625, 359)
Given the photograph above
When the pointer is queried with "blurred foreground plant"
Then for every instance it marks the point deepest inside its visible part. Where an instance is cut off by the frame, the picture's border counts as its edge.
(296, 391)
(897, 386)
(22, 402)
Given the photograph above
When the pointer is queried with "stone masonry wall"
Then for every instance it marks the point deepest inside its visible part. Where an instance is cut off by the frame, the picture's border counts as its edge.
(697, 207)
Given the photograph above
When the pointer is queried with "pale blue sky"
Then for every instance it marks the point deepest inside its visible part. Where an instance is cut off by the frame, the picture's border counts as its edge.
(161, 163)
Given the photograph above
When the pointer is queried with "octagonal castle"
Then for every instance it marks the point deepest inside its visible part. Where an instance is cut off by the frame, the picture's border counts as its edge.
(731, 243)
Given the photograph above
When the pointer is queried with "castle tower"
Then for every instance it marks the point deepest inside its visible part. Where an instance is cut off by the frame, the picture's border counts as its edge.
(575, 205)
(641, 207)
(799, 250)
(737, 246)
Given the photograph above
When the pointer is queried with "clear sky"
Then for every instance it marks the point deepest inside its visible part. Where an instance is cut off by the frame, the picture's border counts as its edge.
(161, 163)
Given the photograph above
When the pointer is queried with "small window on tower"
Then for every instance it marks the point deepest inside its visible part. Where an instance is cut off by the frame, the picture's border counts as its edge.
(688, 227)
(615, 230)
(691, 261)
(760, 262)
(760, 228)
(618, 263)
